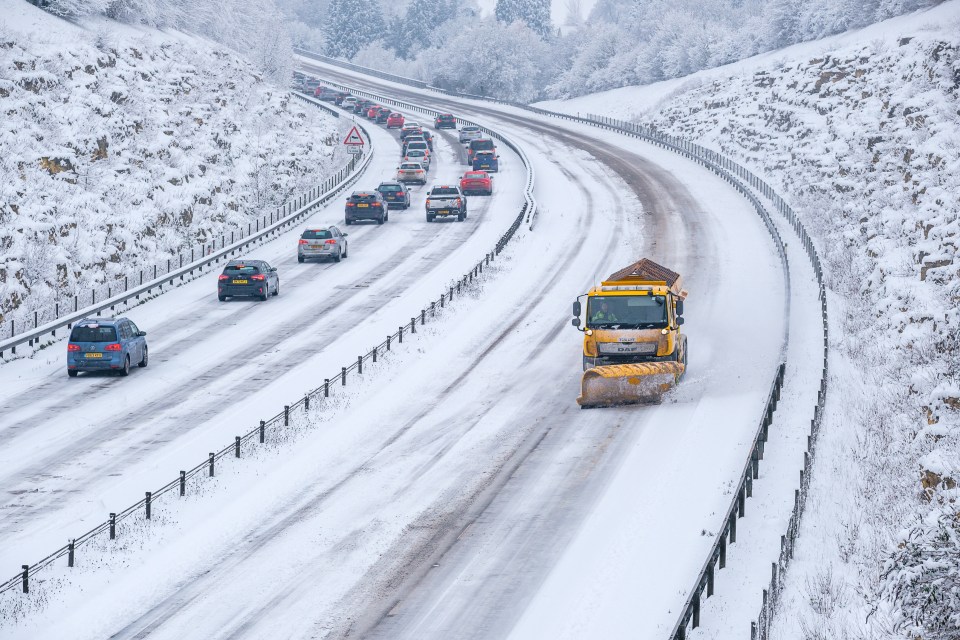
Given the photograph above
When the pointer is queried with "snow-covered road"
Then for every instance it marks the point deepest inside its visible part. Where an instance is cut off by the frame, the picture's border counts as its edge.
(462, 493)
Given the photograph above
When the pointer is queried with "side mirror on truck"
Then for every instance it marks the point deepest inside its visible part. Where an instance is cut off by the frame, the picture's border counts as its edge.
(576, 322)
(576, 308)
(679, 321)
(679, 307)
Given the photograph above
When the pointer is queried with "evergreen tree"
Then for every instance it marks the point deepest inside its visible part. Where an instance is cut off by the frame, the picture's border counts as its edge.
(535, 13)
(350, 25)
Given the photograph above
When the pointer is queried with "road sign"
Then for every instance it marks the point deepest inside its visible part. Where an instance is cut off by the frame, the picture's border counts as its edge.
(355, 151)
(353, 138)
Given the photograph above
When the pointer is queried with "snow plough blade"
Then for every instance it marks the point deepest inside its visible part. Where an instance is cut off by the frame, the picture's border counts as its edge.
(618, 384)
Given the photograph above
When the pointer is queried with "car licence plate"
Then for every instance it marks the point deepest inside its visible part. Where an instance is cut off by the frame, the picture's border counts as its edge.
(240, 282)
(316, 246)
(363, 205)
(93, 355)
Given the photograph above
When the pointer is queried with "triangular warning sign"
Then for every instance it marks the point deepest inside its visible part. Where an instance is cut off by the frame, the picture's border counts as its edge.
(353, 137)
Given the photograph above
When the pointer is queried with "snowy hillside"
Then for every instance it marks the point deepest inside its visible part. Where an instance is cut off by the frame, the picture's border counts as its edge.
(862, 133)
(122, 145)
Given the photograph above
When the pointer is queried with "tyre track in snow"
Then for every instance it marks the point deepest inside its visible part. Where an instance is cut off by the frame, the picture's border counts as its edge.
(191, 591)
(425, 250)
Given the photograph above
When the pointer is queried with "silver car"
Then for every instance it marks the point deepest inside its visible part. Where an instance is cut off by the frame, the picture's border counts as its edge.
(469, 132)
(323, 243)
(411, 172)
(348, 103)
(421, 156)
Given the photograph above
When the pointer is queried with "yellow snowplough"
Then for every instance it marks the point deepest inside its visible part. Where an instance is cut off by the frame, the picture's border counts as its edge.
(633, 350)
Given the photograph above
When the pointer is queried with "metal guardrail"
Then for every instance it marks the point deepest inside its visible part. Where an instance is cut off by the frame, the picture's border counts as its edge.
(312, 401)
(182, 268)
(749, 184)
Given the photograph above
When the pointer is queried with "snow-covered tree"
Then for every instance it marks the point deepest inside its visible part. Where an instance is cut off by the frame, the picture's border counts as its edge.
(351, 25)
(534, 13)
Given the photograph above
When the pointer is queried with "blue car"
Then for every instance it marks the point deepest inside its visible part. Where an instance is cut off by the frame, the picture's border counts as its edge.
(106, 344)
(486, 161)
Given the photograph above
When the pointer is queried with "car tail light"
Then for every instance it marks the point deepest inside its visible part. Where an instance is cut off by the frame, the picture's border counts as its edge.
(259, 277)
(351, 204)
(302, 241)
(223, 277)
(113, 347)
(73, 347)
(331, 241)
(400, 193)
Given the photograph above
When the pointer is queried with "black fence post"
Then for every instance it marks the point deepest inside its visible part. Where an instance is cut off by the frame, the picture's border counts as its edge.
(26, 578)
(71, 547)
(343, 376)
(360, 364)
(286, 415)
(423, 317)
(326, 387)
(374, 353)
(183, 483)
(400, 336)
(236, 447)
(113, 526)
(306, 402)
(146, 503)
(413, 324)
(213, 457)
(263, 431)
(388, 343)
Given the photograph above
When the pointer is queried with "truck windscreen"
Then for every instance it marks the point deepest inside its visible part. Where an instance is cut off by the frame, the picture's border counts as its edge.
(626, 312)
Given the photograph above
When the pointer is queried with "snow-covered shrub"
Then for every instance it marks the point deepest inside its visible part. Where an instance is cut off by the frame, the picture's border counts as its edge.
(122, 147)
(863, 141)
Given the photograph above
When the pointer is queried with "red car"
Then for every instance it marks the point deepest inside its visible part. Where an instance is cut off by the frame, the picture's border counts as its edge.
(476, 183)
(373, 111)
(395, 120)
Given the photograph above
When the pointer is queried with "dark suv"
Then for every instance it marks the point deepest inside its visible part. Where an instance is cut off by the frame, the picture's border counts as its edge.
(395, 194)
(445, 121)
(480, 144)
(248, 278)
(366, 205)
(106, 344)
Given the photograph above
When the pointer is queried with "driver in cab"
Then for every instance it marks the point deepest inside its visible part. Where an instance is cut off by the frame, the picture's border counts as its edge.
(604, 314)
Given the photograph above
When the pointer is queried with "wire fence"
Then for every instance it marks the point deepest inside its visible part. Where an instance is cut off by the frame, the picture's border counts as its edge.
(31, 326)
(753, 187)
(279, 424)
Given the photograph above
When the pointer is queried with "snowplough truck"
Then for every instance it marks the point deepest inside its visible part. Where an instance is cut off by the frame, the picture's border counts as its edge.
(633, 350)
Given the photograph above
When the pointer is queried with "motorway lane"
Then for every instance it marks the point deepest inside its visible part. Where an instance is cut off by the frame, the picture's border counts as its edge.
(102, 440)
(452, 491)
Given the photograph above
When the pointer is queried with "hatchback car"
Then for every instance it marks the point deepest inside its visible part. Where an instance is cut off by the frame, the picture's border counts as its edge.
(476, 183)
(418, 155)
(382, 116)
(480, 144)
(469, 132)
(486, 161)
(244, 278)
(106, 344)
(373, 111)
(325, 243)
(410, 129)
(365, 205)
(413, 144)
(411, 172)
(395, 120)
(445, 121)
(395, 194)
(348, 103)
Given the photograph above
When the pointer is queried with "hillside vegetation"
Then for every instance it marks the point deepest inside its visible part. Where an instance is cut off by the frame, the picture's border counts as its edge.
(122, 145)
(863, 140)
